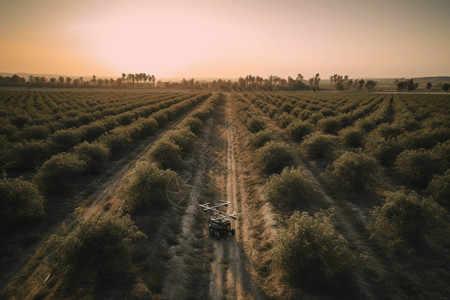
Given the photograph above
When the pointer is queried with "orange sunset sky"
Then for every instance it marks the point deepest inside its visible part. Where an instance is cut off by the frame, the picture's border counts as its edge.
(228, 39)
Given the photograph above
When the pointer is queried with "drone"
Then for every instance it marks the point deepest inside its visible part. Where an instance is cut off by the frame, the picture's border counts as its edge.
(219, 225)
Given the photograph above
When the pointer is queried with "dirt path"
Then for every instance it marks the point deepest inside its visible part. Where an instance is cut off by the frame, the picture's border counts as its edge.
(231, 276)
(214, 175)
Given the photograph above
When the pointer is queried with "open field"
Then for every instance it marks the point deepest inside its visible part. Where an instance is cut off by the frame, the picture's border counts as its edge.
(342, 195)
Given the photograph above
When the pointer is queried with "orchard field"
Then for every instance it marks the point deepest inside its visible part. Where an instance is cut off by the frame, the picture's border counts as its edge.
(343, 195)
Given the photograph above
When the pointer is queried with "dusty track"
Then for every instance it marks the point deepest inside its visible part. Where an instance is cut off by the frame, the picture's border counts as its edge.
(232, 278)
(228, 270)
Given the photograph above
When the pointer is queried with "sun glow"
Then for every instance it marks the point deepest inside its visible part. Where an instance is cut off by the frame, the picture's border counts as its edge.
(203, 38)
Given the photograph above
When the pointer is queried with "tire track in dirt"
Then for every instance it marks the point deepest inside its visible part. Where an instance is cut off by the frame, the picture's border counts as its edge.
(230, 277)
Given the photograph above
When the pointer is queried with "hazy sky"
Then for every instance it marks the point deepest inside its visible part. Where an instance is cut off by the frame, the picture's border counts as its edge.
(231, 38)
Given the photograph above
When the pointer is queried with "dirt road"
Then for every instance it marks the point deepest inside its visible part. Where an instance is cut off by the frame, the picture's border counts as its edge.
(230, 276)
(216, 172)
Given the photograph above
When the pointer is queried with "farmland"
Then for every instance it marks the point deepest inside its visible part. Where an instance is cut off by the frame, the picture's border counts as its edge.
(343, 195)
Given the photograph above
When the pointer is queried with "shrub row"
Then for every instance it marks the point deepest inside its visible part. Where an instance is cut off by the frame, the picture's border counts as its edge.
(20, 203)
(63, 140)
(59, 172)
(147, 185)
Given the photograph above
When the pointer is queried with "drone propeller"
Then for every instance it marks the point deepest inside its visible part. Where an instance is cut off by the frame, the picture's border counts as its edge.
(221, 214)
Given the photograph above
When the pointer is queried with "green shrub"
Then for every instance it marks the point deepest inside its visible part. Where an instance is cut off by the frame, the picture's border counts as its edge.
(384, 151)
(161, 117)
(351, 138)
(149, 126)
(125, 118)
(255, 125)
(146, 188)
(27, 155)
(92, 131)
(402, 219)
(94, 155)
(193, 124)
(100, 249)
(297, 130)
(417, 166)
(5, 150)
(439, 189)
(327, 112)
(366, 124)
(442, 153)
(329, 125)
(117, 140)
(389, 131)
(351, 172)
(274, 157)
(20, 202)
(59, 172)
(19, 120)
(35, 132)
(318, 145)
(345, 120)
(291, 187)
(312, 255)
(426, 139)
(166, 154)
(202, 115)
(259, 139)
(409, 123)
(63, 140)
(286, 107)
(183, 138)
(285, 119)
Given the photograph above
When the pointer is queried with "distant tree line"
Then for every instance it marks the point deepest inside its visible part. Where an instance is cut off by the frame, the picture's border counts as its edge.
(127, 80)
(248, 83)
(341, 83)
(409, 85)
